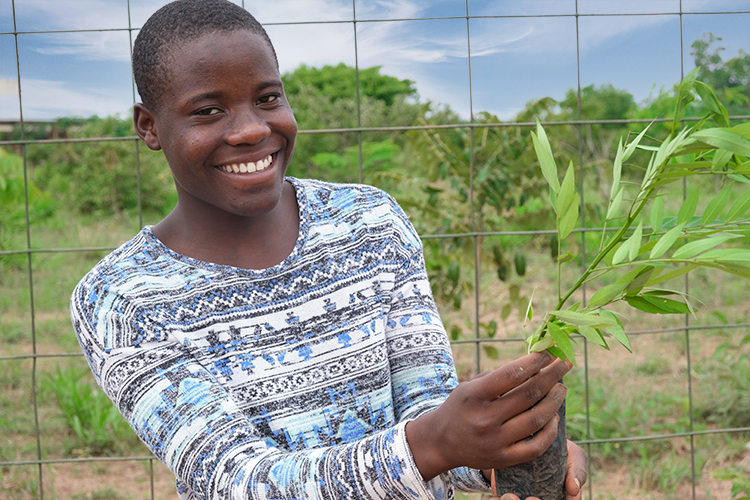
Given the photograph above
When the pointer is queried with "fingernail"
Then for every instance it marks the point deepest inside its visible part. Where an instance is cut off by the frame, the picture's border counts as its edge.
(578, 483)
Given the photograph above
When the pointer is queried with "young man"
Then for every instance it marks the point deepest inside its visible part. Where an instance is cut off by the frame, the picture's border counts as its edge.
(275, 337)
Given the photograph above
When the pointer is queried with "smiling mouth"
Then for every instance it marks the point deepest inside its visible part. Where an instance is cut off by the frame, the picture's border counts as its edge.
(249, 167)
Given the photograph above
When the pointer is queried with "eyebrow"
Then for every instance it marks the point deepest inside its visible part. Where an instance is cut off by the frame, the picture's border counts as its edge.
(207, 95)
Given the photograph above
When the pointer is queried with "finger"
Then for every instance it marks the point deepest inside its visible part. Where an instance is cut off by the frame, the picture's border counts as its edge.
(576, 471)
(505, 378)
(533, 390)
(537, 417)
(480, 375)
(526, 449)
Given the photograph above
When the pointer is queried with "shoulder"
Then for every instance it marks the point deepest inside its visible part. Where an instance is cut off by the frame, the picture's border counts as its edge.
(356, 206)
(122, 274)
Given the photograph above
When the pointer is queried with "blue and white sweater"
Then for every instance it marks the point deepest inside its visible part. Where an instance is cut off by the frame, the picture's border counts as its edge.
(290, 382)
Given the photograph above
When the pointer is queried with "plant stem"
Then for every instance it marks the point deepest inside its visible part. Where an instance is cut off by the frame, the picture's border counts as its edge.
(634, 212)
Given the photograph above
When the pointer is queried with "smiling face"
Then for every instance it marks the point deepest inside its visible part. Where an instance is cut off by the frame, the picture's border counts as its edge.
(224, 126)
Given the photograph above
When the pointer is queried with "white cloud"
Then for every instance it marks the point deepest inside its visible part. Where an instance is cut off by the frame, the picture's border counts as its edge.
(8, 86)
(48, 100)
(104, 46)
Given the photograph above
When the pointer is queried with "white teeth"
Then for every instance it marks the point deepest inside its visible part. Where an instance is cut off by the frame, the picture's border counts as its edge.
(248, 167)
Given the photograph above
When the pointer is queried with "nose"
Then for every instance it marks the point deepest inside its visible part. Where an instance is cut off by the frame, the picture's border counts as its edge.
(247, 128)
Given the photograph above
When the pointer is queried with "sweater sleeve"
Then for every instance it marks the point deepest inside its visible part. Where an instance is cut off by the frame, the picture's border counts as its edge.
(190, 422)
(422, 368)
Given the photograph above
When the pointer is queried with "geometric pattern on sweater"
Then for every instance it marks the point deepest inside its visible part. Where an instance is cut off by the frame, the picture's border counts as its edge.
(294, 381)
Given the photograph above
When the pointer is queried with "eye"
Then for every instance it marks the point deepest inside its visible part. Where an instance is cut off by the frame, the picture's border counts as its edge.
(208, 111)
(269, 99)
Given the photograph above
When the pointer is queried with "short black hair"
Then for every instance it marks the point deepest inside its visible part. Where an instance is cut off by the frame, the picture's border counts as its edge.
(174, 24)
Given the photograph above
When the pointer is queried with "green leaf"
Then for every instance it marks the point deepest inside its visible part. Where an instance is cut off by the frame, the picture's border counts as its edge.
(567, 204)
(492, 328)
(630, 247)
(529, 308)
(736, 270)
(557, 352)
(721, 158)
(724, 139)
(629, 276)
(726, 254)
(687, 210)
(563, 341)
(593, 335)
(642, 304)
(617, 330)
(646, 272)
(617, 172)
(742, 168)
(739, 178)
(658, 305)
(657, 213)
(545, 156)
(455, 332)
(614, 205)
(661, 154)
(668, 305)
(666, 241)
(660, 292)
(718, 112)
(542, 344)
(742, 129)
(491, 351)
(631, 147)
(699, 246)
(569, 220)
(635, 244)
(717, 204)
(566, 193)
(684, 97)
(582, 319)
(739, 207)
(567, 257)
(606, 294)
(676, 273)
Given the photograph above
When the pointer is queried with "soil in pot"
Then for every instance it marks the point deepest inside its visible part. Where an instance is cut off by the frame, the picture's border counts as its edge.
(543, 477)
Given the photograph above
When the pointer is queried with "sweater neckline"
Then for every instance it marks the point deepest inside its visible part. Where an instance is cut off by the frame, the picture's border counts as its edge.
(296, 253)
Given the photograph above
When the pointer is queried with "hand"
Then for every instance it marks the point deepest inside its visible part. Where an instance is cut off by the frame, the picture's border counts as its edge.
(576, 471)
(575, 479)
(484, 423)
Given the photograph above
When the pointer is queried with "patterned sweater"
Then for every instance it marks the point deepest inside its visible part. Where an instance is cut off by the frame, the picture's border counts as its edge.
(294, 381)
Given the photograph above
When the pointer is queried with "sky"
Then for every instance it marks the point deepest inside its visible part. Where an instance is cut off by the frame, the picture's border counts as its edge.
(520, 50)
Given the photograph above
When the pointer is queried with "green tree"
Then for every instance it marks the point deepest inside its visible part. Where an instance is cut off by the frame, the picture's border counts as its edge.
(102, 177)
(13, 196)
(325, 98)
(730, 79)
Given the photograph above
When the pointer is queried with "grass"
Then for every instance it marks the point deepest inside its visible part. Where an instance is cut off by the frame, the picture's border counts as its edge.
(89, 413)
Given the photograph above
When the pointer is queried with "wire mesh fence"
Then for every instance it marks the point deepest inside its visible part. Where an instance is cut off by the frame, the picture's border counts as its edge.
(483, 66)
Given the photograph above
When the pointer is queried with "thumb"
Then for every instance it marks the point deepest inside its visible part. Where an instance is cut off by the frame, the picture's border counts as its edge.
(576, 471)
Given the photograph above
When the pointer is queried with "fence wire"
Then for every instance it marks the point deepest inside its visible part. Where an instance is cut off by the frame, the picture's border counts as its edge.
(475, 235)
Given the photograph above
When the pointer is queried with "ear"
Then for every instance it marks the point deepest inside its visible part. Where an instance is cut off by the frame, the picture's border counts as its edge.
(145, 126)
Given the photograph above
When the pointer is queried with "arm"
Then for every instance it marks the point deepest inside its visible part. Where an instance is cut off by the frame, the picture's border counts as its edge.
(184, 415)
(484, 423)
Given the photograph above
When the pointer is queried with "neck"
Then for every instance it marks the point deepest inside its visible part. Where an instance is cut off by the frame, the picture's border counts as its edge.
(245, 242)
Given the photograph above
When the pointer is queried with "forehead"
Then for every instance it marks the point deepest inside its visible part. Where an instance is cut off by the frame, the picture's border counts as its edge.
(216, 52)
